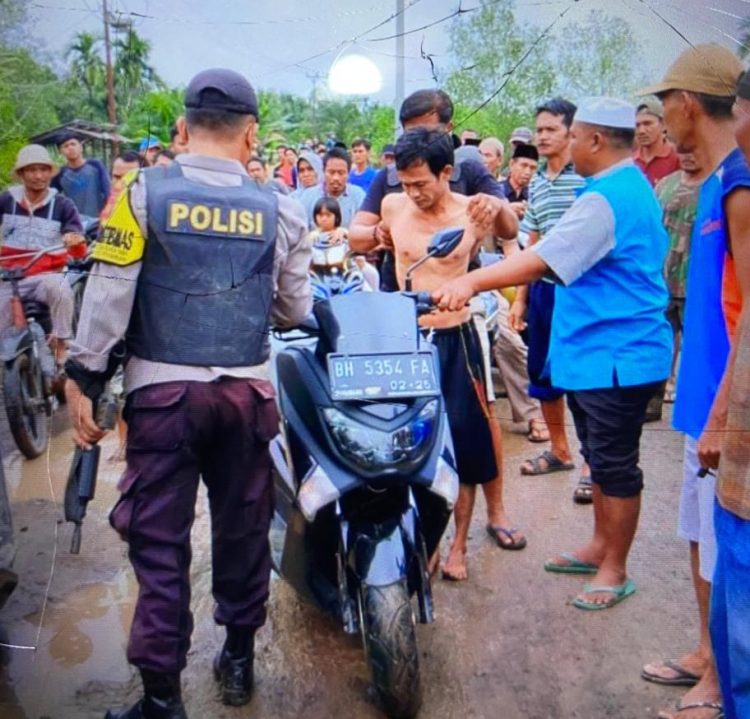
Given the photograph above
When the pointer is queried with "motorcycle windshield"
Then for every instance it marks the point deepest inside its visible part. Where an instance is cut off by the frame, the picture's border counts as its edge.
(368, 323)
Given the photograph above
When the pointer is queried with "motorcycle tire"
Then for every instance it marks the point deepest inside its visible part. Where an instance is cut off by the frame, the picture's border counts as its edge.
(23, 385)
(389, 635)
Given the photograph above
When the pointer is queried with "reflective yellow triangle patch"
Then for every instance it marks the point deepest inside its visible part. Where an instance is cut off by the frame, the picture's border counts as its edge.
(121, 241)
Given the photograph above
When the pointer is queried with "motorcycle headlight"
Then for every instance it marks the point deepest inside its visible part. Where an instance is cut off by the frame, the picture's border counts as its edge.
(374, 449)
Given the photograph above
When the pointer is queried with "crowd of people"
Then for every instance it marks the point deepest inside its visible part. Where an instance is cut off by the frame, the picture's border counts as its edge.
(615, 240)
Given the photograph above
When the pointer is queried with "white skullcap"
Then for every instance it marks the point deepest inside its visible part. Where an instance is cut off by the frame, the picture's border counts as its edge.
(607, 112)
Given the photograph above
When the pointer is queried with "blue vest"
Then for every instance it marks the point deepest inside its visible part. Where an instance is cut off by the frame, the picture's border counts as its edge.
(206, 286)
(609, 328)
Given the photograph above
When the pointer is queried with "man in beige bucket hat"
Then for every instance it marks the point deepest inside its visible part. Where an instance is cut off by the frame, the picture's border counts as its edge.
(34, 217)
(698, 95)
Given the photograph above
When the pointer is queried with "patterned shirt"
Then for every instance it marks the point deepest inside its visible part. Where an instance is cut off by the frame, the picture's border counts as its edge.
(549, 200)
(679, 200)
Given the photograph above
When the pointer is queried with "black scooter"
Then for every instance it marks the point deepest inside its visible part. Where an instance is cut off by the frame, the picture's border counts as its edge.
(364, 473)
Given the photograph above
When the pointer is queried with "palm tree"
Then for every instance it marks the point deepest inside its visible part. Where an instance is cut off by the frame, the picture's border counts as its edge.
(87, 66)
(133, 71)
(744, 50)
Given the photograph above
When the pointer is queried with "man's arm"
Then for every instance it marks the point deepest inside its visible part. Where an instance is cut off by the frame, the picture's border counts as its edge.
(104, 186)
(737, 207)
(581, 238)
(366, 232)
(292, 300)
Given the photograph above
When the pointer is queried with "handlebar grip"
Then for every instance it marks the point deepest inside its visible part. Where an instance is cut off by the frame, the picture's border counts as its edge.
(425, 298)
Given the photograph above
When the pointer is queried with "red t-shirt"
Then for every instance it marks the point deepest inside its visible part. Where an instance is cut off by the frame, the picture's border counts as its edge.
(660, 166)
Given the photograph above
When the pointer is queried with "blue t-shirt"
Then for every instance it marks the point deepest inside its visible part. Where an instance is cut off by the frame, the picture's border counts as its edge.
(362, 179)
(705, 340)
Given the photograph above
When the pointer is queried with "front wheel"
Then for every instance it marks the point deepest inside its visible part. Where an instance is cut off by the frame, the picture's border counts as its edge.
(25, 405)
(388, 631)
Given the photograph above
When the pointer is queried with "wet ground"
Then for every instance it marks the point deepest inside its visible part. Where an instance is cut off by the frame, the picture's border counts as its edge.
(506, 644)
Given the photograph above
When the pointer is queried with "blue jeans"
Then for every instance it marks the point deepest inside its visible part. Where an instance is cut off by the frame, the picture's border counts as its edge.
(730, 612)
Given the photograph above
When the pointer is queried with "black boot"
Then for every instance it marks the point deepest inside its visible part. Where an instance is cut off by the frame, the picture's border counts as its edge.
(161, 699)
(233, 666)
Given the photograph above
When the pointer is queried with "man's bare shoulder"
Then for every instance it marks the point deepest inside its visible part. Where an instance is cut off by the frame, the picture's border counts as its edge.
(393, 202)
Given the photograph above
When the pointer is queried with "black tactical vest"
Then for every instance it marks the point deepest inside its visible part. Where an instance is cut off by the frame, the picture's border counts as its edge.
(205, 289)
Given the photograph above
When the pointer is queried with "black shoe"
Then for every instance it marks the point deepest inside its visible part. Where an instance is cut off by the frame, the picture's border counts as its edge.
(150, 708)
(162, 699)
(233, 668)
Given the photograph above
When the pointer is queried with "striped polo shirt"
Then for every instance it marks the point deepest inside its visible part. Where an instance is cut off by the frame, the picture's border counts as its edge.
(549, 199)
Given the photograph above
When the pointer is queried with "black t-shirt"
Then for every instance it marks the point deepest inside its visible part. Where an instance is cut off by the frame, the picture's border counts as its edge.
(512, 196)
(469, 178)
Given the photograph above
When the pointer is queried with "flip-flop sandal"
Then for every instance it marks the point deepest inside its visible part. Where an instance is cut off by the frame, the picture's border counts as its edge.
(512, 543)
(573, 566)
(682, 677)
(618, 592)
(538, 431)
(584, 491)
(697, 705)
(553, 464)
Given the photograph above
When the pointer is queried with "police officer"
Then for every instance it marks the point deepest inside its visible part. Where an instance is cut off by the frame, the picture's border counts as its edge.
(194, 264)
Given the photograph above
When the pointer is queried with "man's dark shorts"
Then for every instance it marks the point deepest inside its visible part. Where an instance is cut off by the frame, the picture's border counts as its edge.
(608, 423)
(463, 385)
(539, 320)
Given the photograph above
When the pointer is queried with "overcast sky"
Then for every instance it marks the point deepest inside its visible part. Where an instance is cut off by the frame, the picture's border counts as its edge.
(273, 42)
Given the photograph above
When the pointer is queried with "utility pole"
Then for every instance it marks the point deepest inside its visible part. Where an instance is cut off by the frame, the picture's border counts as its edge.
(111, 107)
(399, 58)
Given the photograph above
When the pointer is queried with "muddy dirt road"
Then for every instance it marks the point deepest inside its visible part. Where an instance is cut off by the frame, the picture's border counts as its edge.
(507, 643)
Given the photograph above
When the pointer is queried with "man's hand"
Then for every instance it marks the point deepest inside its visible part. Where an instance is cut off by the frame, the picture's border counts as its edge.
(483, 209)
(455, 294)
(709, 445)
(519, 208)
(71, 239)
(517, 315)
(383, 237)
(85, 430)
(338, 236)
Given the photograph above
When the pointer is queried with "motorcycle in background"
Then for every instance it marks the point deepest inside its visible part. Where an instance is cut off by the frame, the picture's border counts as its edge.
(28, 363)
(364, 473)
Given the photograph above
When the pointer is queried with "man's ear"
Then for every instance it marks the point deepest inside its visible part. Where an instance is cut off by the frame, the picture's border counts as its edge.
(446, 173)
(250, 132)
(182, 130)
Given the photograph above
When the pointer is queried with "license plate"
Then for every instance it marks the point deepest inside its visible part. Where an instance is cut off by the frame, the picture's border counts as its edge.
(382, 376)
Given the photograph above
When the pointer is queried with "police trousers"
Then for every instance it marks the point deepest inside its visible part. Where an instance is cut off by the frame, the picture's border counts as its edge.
(179, 432)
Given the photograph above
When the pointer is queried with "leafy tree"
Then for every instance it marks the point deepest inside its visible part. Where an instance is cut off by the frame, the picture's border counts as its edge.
(133, 71)
(599, 57)
(153, 114)
(490, 49)
(87, 69)
(744, 49)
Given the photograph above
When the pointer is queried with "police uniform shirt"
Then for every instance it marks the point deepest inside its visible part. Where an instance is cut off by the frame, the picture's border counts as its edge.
(111, 286)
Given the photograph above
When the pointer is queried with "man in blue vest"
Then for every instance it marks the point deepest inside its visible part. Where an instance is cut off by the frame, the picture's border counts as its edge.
(611, 343)
(191, 268)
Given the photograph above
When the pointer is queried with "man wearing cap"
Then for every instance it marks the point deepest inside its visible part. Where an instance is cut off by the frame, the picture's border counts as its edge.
(611, 343)
(654, 154)
(148, 149)
(698, 95)
(388, 156)
(520, 136)
(83, 180)
(522, 168)
(33, 217)
(191, 268)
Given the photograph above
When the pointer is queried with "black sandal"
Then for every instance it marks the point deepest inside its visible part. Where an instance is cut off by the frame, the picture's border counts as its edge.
(584, 492)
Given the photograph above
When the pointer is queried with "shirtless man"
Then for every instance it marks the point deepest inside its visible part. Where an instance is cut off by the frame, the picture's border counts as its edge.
(424, 160)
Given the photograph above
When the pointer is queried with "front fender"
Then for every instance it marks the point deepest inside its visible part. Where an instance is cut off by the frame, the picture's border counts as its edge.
(381, 554)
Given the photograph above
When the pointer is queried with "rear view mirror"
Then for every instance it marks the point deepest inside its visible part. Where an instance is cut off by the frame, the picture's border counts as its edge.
(445, 241)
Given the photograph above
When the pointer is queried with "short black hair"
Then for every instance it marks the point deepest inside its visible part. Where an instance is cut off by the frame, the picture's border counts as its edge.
(620, 138)
(257, 159)
(332, 205)
(360, 141)
(220, 122)
(423, 102)
(337, 153)
(130, 156)
(164, 153)
(715, 106)
(560, 108)
(66, 135)
(421, 146)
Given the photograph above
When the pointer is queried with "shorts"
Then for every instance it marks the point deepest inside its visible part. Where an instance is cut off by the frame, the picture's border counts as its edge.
(539, 330)
(608, 424)
(463, 385)
(696, 515)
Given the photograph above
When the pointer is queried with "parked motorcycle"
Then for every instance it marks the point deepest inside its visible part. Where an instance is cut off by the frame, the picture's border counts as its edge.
(28, 363)
(364, 473)
(333, 270)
